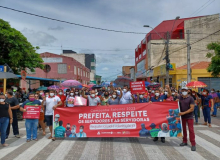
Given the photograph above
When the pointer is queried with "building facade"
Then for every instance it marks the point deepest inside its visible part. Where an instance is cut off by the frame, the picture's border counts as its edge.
(61, 68)
(150, 52)
(126, 71)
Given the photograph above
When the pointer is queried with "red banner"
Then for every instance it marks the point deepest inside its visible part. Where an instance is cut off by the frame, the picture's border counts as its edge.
(33, 112)
(137, 87)
(158, 119)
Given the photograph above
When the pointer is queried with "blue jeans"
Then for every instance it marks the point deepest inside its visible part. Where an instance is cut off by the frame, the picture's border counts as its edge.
(215, 109)
(206, 114)
(196, 109)
(3, 127)
(31, 128)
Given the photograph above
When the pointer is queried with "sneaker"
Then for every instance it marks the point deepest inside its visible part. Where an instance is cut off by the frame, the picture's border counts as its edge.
(17, 136)
(193, 148)
(183, 144)
(155, 139)
(163, 140)
(28, 140)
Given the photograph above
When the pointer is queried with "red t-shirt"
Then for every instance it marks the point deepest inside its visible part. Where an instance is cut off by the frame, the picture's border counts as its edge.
(63, 100)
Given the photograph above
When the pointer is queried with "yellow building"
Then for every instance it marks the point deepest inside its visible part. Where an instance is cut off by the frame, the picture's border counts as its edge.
(179, 75)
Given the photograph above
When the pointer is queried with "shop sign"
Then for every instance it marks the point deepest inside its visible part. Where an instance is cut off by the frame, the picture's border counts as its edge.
(1, 68)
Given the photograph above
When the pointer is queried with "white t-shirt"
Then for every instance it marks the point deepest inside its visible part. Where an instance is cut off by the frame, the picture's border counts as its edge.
(50, 103)
(126, 98)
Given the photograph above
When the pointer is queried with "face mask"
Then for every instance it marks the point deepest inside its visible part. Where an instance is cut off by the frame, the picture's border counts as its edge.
(81, 130)
(106, 95)
(67, 93)
(73, 131)
(41, 93)
(212, 91)
(165, 93)
(76, 92)
(47, 95)
(2, 100)
(56, 119)
(184, 93)
(96, 93)
(51, 94)
(31, 99)
(114, 96)
(71, 94)
(157, 94)
(141, 96)
(95, 90)
(67, 128)
(194, 94)
(93, 95)
(152, 91)
(5, 95)
(204, 93)
(60, 93)
(173, 93)
(125, 90)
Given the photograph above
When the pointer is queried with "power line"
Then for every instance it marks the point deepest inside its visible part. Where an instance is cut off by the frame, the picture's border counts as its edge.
(76, 24)
(205, 6)
(200, 8)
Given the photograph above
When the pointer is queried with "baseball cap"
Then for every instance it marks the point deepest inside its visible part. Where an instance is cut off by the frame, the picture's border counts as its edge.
(186, 88)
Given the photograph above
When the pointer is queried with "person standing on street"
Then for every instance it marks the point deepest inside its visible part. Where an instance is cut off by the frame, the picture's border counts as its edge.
(31, 124)
(51, 102)
(127, 97)
(93, 99)
(5, 118)
(215, 101)
(14, 104)
(187, 105)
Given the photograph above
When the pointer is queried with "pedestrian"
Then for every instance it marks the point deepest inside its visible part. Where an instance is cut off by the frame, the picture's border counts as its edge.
(70, 99)
(93, 99)
(141, 98)
(196, 107)
(62, 97)
(5, 118)
(104, 99)
(215, 101)
(127, 97)
(114, 99)
(187, 104)
(31, 124)
(14, 104)
(51, 102)
(41, 118)
(160, 98)
(207, 106)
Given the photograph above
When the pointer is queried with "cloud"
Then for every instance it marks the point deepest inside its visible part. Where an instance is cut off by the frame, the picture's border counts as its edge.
(58, 28)
(38, 37)
(105, 69)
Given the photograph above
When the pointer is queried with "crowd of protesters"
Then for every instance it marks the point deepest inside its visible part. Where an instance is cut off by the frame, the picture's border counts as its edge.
(190, 104)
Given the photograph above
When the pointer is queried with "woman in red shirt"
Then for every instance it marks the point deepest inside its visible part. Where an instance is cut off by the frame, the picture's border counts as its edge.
(62, 97)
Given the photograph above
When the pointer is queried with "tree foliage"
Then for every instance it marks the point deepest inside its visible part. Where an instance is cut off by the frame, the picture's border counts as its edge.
(16, 51)
(214, 66)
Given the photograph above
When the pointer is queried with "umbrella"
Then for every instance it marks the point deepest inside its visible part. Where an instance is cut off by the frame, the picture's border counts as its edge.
(96, 86)
(196, 84)
(7, 75)
(122, 81)
(84, 85)
(154, 85)
(54, 87)
(42, 88)
(71, 84)
(91, 85)
(107, 84)
(147, 83)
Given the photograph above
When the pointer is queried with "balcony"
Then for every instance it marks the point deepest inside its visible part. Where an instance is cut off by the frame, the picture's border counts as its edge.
(155, 36)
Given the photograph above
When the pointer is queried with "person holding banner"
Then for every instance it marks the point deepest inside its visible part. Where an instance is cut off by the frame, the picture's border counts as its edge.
(160, 98)
(187, 105)
(51, 102)
(70, 99)
(62, 97)
(114, 99)
(141, 98)
(31, 124)
(105, 98)
(93, 99)
(127, 97)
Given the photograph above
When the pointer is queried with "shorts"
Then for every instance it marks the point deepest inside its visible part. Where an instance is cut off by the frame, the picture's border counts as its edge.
(49, 120)
(41, 116)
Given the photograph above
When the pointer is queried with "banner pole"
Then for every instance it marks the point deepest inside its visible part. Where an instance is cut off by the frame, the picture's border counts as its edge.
(53, 126)
(4, 86)
(180, 118)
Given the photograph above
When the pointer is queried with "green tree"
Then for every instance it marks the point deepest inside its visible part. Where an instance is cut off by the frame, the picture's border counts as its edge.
(16, 51)
(214, 66)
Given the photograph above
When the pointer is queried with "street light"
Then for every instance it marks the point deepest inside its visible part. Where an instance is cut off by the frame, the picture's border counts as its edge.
(147, 26)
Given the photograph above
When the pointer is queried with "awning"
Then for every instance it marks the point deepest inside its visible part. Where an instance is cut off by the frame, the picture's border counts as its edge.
(38, 78)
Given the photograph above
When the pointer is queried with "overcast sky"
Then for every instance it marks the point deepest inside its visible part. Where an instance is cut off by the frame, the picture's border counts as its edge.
(113, 50)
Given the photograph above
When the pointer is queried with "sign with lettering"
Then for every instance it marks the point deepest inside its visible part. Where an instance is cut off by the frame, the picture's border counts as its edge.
(137, 87)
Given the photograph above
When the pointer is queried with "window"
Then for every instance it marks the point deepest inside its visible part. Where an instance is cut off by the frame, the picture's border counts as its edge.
(75, 70)
(62, 68)
(92, 67)
(83, 73)
(78, 71)
(92, 59)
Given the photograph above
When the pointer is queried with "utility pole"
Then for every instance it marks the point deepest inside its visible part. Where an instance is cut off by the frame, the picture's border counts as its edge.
(188, 57)
(167, 59)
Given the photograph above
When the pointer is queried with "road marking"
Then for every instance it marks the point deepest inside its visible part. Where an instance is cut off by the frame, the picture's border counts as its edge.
(211, 134)
(92, 148)
(34, 149)
(151, 149)
(122, 149)
(203, 126)
(62, 150)
(184, 151)
(13, 146)
(208, 146)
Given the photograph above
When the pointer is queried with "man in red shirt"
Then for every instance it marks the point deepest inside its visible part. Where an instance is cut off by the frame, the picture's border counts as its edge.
(62, 97)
